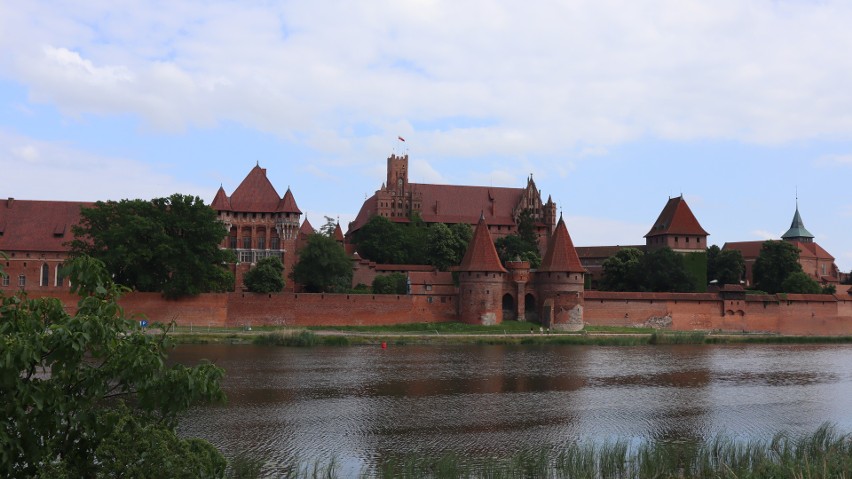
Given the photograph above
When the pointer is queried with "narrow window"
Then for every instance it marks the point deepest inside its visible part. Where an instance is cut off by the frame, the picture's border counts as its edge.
(45, 275)
(5, 280)
(22, 280)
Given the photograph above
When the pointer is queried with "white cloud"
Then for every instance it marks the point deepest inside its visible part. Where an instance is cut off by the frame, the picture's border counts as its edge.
(835, 160)
(527, 78)
(423, 172)
(588, 231)
(58, 171)
(764, 235)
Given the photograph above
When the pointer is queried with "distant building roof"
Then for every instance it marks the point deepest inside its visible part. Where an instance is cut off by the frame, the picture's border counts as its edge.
(306, 228)
(42, 226)
(676, 218)
(255, 195)
(797, 228)
(481, 254)
(561, 255)
(454, 204)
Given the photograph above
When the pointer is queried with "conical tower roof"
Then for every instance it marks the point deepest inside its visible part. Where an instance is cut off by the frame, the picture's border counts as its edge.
(677, 218)
(288, 203)
(306, 228)
(481, 254)
(221, 201)
(561, 255)
(255, 194)
(338, 234)
(797, 229)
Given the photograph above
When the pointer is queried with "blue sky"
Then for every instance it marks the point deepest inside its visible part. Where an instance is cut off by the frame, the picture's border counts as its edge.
(613, 106)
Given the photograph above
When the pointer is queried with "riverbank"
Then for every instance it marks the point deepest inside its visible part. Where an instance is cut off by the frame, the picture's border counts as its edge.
(511, 332)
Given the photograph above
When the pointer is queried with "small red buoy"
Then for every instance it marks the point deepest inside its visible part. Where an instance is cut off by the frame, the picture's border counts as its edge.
(384, 345)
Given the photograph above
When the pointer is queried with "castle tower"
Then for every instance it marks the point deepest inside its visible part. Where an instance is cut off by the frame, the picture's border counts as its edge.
(797, 231)
(559, 281)
(481, 277)
(398, 174)
(677, 228)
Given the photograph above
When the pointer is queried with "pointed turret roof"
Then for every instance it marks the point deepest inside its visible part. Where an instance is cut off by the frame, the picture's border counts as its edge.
(561, 254)
(221, 201)
(677, 218)
(288, 203)
(306, 228)
(797, 228)
(481, 254)
(338, 233)
(255, 194)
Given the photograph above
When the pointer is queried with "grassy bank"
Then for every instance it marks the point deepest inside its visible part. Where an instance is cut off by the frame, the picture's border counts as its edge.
(823, 454)
(510, 332)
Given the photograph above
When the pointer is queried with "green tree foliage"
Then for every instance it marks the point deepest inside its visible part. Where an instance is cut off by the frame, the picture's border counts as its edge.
(663, 270)
(725, 266)
(328, 228)
(323, 266)
(90, 394)
(382, 241)
(446, 245)
(394, 283)
(621, 271)
(266, 276)
(166, 244)
(522, 245)
(829, 289)
(799, 282)
(777, 261)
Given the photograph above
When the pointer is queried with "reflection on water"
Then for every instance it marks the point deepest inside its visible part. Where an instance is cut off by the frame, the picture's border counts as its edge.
(359, 404)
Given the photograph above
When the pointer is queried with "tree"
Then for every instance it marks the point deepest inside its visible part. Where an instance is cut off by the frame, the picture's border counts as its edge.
(323, 265)
(777, 261)
(89, 394)
(169, 244)
(621, 270)
(725, 266)
(266, 276)
(380, 240)
(394, 283)
(328, 228)
(799, 282)
(445, 245)
(522, 245)
(663, 270)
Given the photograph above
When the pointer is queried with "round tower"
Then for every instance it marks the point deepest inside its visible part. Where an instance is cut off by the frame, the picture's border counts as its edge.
(559, 282)
(481, 280)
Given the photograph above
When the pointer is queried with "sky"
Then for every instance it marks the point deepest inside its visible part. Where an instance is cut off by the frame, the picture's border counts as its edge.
(612, 106)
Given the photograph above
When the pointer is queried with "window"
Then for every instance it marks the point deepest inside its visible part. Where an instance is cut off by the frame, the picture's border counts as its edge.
(429, 286)
(5, 280)
(45, 275)
(233, 242)
(22, 280)
(261, 242)
(274, 243)
(246, 242)
(59, 278)
(245, 257)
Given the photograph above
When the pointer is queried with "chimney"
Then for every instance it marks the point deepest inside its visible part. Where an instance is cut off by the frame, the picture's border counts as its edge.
(9, 202)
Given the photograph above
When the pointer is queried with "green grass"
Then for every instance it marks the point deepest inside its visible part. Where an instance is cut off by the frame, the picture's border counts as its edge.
(507, 327)
(821, 455)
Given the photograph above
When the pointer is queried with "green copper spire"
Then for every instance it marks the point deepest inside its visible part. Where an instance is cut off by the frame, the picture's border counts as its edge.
(797, 231)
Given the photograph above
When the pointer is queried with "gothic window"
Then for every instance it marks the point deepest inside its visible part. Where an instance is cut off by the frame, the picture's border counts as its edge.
(246, 242)
(45, 275)
(261, 242)
(22, 280)
(5, 280)
(59, 278)
(274, 243)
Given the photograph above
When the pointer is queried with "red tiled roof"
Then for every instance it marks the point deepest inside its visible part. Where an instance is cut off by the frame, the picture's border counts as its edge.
(288, 204)
(255, 194)
(338, 233)
(561, 255)
(465, 203)
(676, 218)
(481, 254)
(38, 225)
(635, 296)
(588, 252)
(220, 201)
(812, 250)
(749, 249)
(431, 277)
(306, 228)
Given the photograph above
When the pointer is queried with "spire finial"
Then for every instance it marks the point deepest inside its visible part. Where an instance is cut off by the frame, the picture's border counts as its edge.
(481, 215)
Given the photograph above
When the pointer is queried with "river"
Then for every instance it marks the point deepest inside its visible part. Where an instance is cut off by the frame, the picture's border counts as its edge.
(360, 404)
